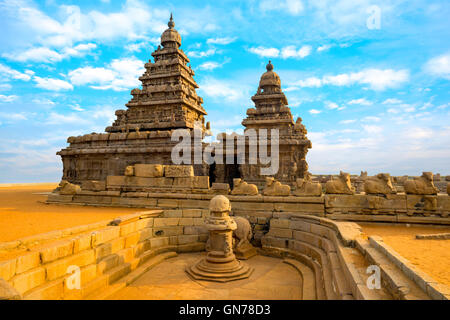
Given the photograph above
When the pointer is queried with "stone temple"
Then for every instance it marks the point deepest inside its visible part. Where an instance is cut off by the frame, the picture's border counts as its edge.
(168, 101)
(239, 234)
(142, 133)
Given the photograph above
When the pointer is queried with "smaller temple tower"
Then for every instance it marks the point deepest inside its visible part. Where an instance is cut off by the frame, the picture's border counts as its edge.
(271, 111)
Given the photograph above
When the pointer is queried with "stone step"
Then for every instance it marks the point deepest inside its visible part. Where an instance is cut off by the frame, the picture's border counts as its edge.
(399, 285)
(132, 276)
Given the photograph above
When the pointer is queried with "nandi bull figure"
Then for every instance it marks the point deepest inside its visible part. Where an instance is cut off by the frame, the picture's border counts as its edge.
(242, 235)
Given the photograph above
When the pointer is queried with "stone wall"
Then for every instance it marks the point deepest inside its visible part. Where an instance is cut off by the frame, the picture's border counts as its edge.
(104, 255)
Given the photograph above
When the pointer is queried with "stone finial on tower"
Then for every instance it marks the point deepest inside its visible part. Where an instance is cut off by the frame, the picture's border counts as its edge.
(269, 66)
(171, 23)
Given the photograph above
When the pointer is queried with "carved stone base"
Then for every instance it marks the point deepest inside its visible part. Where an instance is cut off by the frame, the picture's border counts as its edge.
(245, 251)
(220, 269)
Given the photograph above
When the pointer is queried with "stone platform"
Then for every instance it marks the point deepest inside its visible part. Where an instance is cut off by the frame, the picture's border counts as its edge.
(272, 279)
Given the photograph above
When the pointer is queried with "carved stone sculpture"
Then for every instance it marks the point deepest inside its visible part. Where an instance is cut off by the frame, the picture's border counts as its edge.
(243, 188)
(67, 188)
(242, 247)
(276, 188)
(379, 184)
(342, 185)
(129, 171)
(421, 185)
(307, 188)
(220, 263)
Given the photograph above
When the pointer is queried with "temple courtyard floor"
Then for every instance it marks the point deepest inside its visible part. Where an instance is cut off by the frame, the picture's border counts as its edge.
(271, 280)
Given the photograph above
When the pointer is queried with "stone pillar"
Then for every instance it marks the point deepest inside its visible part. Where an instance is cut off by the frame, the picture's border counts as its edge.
(220, 263)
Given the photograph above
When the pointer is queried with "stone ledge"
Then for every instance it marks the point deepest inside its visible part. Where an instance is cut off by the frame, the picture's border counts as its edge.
(435, 290)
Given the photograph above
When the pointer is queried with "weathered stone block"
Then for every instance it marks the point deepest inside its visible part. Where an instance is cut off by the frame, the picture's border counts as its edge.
(145, 234)
(82, 242)
(148, 170)
(192, 213)
(279, 223)
(109, 248)
(29, 280)
(93, 185)
(53, 290)
(60, 267)
(186, 222)
(195, 230)
(178, 171)
(7, 269)
(184, 239)
(28, 261)
(280, 233)
(127, 228)
(144, 223)
(173, 213)
(220, 188)
(107, 263)
(105, 235)
(115, 181)
(56, 251)
(132, 239)
(159, 242)
(167, 231)
(300, 225)
(163, 222)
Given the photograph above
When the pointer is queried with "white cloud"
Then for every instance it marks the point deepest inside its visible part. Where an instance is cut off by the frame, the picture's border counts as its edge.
(223, 41)
(324, 47)
(210, 65)
(265, 52)
(285, 53)
(43, 54)
(371, 119)
(347, 121)
(52, 84)
(9, 98)
(10, 116)
(392, 101)
(333, 106)
(361, 101)
(439, 66)
(9, 73)
(314, 111)
(119, 75)
(293, 7)
(201, 54)
(377, 79)
(292, 52)
(371, 129)
(224, 90)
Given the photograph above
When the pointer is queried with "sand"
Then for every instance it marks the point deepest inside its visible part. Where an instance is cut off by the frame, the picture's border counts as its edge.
(430, 256)
(23, 212)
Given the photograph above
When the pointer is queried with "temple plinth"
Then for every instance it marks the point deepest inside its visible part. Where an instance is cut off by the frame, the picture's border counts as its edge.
(220, 263)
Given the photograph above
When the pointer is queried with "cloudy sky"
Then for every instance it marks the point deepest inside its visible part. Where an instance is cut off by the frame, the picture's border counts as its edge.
(369, 78)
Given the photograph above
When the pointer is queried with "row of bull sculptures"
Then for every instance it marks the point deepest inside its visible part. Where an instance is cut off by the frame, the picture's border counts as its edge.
(379, 184)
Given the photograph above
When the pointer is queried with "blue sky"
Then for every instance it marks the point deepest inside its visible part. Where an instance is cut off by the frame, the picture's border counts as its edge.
(374, 99)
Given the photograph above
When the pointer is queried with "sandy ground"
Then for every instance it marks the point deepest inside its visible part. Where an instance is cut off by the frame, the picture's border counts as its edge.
(23, 212)
(430, 256)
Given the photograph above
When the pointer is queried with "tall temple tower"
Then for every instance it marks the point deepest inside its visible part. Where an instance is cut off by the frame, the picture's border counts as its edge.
(168, 98)
(142, 133)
